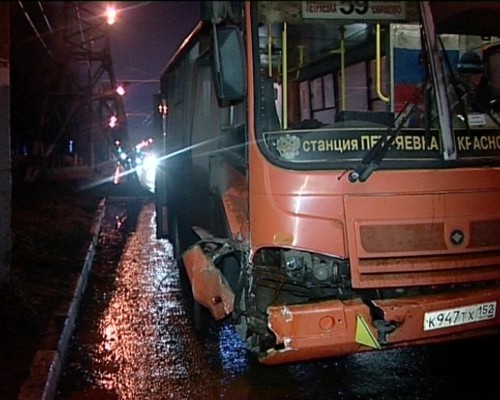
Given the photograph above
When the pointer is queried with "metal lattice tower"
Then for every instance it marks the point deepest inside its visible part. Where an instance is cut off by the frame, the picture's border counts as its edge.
(82, 96)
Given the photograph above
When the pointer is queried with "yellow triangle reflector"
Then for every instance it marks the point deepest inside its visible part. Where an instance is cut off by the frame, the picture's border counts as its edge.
(364, 335)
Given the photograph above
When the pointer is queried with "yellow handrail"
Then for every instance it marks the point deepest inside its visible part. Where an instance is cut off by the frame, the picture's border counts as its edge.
(269, 51)
(378, 72)
(284, 96)
(342, 69)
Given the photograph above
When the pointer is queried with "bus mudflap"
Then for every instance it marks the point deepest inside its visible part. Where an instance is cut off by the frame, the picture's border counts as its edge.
(207, 283)
(340, 327)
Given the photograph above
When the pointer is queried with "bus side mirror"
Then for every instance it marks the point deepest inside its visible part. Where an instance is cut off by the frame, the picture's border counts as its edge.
(229, 64)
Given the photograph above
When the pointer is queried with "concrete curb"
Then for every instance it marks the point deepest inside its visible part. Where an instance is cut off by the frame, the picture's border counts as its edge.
(47, 363)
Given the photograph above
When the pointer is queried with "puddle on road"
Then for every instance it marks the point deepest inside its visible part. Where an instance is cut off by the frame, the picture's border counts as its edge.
(134, 338)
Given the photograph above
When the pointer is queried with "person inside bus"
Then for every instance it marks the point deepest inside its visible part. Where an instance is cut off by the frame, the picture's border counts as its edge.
(473, 83)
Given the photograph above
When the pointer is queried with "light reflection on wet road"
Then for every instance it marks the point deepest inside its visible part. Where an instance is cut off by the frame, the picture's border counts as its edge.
(134, 340)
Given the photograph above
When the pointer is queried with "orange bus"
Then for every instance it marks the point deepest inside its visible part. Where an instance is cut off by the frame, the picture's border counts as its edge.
(328, 179)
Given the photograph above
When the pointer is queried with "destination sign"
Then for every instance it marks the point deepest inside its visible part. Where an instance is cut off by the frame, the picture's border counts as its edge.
(299, 146)
(364, 10)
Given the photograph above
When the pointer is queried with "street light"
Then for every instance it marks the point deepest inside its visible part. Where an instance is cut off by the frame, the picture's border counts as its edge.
(113, 121)
(120, 90)
(111, 14)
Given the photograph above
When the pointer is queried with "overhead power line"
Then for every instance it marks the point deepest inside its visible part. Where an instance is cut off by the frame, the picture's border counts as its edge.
(37, 33)
(45, 17)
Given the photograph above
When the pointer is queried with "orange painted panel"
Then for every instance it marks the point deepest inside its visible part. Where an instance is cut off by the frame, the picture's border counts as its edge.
(207, 284)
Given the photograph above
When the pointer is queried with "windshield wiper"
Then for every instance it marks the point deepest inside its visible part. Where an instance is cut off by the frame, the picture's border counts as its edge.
(372, 159)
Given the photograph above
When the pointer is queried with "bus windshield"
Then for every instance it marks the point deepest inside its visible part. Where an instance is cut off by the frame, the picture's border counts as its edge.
(386, 83)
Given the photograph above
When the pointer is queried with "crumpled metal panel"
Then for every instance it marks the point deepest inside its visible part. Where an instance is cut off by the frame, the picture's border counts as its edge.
(208, 286)
(309, 331)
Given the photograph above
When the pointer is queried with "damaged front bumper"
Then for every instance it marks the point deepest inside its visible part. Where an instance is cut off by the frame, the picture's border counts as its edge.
(340, 327)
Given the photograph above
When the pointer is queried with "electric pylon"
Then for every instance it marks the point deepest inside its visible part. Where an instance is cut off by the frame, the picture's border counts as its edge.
(82, 105)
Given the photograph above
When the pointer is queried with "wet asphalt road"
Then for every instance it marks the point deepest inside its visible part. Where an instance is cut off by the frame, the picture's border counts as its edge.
(134, 340)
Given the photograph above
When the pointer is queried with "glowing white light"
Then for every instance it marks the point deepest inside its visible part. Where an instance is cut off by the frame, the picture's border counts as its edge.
(111, 15)
(147, 171)
(113, 120)
(150, 162)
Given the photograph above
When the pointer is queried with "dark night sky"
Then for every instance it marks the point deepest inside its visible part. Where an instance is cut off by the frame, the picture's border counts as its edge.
(142, 42)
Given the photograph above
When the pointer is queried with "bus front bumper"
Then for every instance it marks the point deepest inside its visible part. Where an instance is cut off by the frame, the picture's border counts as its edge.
(336, 327)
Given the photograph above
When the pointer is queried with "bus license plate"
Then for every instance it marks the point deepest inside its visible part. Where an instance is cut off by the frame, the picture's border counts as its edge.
(459, 316)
